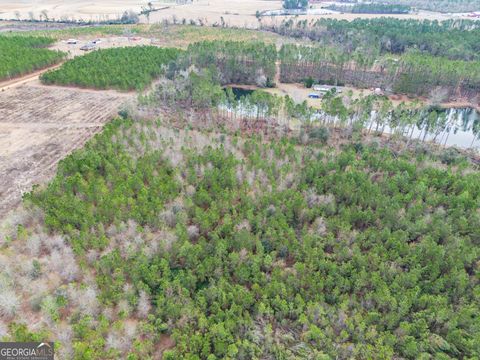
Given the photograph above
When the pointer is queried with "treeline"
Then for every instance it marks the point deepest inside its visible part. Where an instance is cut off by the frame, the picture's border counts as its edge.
(268, 249)
(458, 6)
(295, 4)
(410, 122)
(24, 54)
(412, 73)
(127, 18)
(371, 8)
(234, 62)
(198, 91)
(134, 67)
(454, 39)
(418, 74)
(445, 6)
(201, 92)
(126, 68)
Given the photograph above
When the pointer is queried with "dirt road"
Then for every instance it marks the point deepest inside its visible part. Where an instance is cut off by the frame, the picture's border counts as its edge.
(8, 84)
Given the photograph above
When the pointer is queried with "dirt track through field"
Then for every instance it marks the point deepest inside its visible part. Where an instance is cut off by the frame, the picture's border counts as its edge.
(8, 84)
(39, 126)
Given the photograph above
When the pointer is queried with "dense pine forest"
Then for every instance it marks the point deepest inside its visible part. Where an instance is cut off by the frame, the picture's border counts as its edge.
(235, 62)
(248, 248)
(455, 39)
(411, 73)
(444, 6)
(23, 54)
(254, 63)
(132, 68)
(128, 68)
(403, 56)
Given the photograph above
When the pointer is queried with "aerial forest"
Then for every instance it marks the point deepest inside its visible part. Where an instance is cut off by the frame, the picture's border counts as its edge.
(133, 68)
(235, 62)
(264, 249)
(20, 55)
(128, 68)
(402, 56)
(411, 73)
(371, 8)
(454, 39)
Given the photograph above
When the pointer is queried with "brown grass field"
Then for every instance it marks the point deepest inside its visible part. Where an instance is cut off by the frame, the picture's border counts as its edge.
(239, 13)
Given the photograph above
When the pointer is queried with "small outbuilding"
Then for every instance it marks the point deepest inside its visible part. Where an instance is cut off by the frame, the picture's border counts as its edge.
(326, 88)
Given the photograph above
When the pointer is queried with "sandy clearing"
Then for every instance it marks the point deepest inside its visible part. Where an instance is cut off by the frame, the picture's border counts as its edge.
(105, 43)
(39, 126)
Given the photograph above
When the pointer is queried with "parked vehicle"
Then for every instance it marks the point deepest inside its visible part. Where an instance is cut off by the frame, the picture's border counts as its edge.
(88, 47)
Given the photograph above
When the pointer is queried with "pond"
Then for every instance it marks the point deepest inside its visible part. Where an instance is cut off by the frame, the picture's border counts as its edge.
(458, 127)
(461, 134)
(459, 131)
(461, 125)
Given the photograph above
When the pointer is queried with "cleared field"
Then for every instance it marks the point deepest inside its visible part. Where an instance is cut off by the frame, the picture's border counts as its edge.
(233, 13)
(242, 13)
(84, 9)
(105, 42)
(179, 36)
(39, 126)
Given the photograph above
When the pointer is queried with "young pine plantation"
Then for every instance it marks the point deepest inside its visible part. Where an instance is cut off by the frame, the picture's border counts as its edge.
(127, 68)
(20, 55)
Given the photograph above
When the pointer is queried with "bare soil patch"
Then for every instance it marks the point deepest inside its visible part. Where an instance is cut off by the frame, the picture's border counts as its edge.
(105, 43)
(39, 126)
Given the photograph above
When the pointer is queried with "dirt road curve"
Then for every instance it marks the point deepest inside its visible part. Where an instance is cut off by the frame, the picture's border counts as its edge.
(4, 85)
(40, 125)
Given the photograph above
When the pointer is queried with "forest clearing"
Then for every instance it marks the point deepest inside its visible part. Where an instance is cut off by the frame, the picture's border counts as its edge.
(39, 126)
